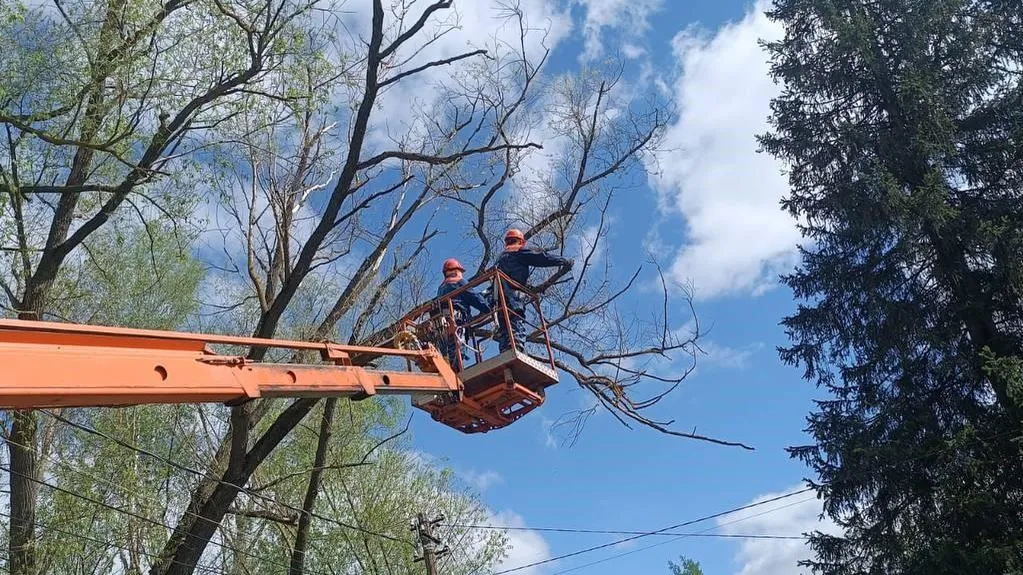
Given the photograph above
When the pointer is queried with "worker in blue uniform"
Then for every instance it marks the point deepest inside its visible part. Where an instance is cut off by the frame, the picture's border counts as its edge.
(516, 262)
(462, 303)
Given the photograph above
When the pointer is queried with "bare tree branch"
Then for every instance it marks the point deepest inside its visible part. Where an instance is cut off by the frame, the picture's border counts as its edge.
(439, 160)
(434, 64)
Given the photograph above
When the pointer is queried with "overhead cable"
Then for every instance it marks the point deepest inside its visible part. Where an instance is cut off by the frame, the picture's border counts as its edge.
(698, 534)
(83, 537)
(134, 515)
(250, 493)
(657, 532)
(929, 453)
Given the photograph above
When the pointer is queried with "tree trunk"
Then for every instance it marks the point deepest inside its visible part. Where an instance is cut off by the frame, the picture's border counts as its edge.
(22, 444)
(309, 503)
(197, 525)
(192, 534)
(23, 494)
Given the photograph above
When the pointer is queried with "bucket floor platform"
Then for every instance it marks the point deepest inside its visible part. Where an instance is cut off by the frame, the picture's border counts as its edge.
(497, 392)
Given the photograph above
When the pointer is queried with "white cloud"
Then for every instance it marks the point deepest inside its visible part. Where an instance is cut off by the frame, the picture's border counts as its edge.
(42, 5)
(418, 457)
(481, 480)
(726, 356)
(630, 16)
(589, 241)
(787, 517)
(632, 51)
(738, 237)
(547, 427)
(532, 193)
(222, 213)
(524, 546)
(478, 480)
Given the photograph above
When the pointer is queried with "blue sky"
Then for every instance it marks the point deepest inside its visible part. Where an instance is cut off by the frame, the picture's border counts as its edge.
(713, 212)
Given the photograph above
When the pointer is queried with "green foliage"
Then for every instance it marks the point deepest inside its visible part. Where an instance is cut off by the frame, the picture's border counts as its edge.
(132, 107)
(902, 129)
(146, 491)
(146, 276)
(373, 485)
(1008, 369)
(368, 488)
(686, 567)
(133, 275)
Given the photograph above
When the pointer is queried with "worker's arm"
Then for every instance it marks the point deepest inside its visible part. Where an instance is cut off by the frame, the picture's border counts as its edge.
(540, 259)
(476, 301)
(467, 298)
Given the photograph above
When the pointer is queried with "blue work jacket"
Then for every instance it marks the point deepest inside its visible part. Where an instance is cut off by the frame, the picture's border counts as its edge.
(465, 300)
(517, 264)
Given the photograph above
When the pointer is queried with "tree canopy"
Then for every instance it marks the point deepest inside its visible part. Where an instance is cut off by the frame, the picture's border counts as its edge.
(902, 131)
(685, 566)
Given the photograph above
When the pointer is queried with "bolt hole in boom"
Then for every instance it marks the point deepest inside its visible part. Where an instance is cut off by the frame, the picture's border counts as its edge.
(162, 372)
(499, 387)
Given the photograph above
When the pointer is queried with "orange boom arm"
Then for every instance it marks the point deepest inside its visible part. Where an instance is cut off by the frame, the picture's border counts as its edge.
(44, 364)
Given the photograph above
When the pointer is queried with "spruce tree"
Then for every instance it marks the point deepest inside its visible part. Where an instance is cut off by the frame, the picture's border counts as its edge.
(901, 126)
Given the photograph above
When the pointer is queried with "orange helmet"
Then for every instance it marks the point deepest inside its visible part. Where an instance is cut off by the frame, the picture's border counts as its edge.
(514, 234)
(452, 264)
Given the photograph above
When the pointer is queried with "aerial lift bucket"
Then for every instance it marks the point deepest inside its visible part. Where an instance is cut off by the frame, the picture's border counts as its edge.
(497, 391)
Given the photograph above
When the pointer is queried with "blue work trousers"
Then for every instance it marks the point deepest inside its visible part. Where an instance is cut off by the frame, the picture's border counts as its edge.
(447, 347)
(517, 315)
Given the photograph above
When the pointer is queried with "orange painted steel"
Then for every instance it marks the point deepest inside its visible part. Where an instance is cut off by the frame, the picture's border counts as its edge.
(48, 364)
(493, 408)
(44, 364)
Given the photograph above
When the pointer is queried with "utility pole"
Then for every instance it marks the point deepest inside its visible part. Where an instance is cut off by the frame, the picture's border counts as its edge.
(424, 528)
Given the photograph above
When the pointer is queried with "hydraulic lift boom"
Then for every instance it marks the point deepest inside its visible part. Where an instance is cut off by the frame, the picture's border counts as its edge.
(44, 364)
(48, 364)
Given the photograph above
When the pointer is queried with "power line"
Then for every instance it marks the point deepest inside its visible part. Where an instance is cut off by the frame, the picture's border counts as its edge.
(241, 489)
(135, 515)
(928, 453)
(134, 492)
(614, 532)
(659, 531)
(730, 535)
(50, 527)
(637, 535)
(682, 536)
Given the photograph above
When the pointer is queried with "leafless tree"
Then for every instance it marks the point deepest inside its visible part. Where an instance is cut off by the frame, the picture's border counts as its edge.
(601, 139)
(392, 186)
